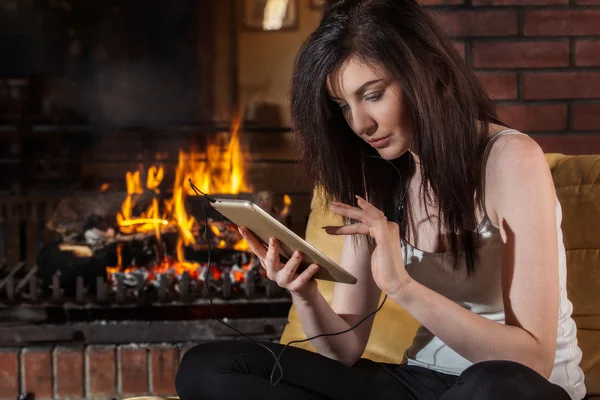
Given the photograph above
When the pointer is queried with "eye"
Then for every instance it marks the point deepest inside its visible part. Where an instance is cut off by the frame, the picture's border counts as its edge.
(374, 97)
(342, 107)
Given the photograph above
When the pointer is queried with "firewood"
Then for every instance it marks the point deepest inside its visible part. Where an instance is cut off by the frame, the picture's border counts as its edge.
(52, 259)
(77, 250)
(75, 215)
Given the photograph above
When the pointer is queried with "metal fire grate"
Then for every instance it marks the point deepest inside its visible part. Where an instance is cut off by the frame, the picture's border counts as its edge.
(41, 306)
(125, 311)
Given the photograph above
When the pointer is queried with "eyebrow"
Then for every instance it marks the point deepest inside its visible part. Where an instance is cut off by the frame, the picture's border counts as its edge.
(361, 89)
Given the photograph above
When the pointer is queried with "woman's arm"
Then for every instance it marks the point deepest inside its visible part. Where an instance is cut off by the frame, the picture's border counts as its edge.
(520, 196)
(350, 304)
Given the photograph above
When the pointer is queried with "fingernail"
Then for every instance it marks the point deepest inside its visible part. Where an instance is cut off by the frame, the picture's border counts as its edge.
(271, 241)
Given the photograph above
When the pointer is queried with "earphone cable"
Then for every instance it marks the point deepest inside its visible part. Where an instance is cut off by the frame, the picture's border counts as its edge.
(276, 357)
(207, 276)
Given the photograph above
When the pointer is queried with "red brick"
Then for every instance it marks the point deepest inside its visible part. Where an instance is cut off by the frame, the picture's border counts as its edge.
(441, 2)
(165, 361)
(101, 372)
(478, 23)
(9, 374)
(460, 47)
(569, 143)
(561, 85)
(587, 2)
(68, 367)
(518, 2)
(527, 54)
(37, 372)
(133, 371)
(531, 118)
(587, 53)
(586, 117)
(561, 22)
(499, 86)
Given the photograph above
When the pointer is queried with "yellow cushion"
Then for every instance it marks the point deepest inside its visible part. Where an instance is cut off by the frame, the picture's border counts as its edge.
(577, 181)
(393, 328)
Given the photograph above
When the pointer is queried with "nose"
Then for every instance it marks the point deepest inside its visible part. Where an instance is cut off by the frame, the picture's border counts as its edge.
(362, 123)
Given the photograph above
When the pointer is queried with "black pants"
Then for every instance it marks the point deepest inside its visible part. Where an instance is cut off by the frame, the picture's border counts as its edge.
(241, 370)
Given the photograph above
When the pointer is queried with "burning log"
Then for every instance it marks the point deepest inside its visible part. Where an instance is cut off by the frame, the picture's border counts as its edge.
(73, 216)
(74, 260)
(93, 218)
(145, 240)
(222, 235)
(79, 251)
(72, 263)
(264, 200)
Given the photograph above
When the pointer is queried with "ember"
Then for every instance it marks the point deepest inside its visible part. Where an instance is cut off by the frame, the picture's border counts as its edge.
(218, 172)
(152, 240)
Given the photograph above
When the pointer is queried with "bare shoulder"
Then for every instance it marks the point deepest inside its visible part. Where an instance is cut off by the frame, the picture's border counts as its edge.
(512, 151)
(516, 167)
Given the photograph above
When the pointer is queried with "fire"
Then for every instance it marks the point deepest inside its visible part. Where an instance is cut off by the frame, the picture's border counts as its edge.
(217, 170)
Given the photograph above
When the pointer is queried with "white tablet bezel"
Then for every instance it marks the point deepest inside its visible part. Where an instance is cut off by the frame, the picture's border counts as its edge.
(264, 226)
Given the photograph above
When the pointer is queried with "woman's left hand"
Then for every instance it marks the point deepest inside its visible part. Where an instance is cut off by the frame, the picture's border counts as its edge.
(387, 262)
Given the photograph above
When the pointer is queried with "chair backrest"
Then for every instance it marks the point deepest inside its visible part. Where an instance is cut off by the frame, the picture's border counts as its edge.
(577, 182)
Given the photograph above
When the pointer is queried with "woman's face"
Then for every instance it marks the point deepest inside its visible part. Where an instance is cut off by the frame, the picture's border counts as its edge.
(373, 105)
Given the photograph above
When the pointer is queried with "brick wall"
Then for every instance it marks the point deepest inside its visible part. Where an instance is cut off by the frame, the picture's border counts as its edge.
(92, 372)
(539, 59)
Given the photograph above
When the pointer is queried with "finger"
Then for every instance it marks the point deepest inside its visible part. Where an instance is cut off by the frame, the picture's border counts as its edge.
(272, 259)
(370, 209)
(337, 203)
(348, 211)
(352, 229)
(372, 213)
(287, 273)
(302, 279)
(256, 246)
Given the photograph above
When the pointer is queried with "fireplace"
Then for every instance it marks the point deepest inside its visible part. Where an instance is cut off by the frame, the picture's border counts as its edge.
(105, 109)
(103, 289)
(153, 242)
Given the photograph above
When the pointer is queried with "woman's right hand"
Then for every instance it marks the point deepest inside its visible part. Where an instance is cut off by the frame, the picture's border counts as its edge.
(301, 285)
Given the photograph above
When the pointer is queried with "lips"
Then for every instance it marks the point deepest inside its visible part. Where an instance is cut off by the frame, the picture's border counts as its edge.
(377, 140)
(381, 142)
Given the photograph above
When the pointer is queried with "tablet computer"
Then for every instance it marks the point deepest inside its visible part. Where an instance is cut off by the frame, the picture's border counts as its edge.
(246, 214)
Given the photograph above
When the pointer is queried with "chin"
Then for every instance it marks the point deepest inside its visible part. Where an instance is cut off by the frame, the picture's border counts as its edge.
(391, 153)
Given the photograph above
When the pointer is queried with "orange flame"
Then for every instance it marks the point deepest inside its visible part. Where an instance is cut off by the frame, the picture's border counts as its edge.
(221, 169)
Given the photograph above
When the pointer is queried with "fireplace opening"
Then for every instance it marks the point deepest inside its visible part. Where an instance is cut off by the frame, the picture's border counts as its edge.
(140, 256)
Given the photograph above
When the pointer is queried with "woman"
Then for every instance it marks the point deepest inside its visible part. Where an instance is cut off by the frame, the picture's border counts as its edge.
(448, 212)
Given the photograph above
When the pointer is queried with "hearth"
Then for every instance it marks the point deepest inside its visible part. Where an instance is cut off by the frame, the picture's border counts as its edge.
(117, 290)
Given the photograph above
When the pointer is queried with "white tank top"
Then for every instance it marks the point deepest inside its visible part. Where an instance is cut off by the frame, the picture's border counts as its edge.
(482, 294)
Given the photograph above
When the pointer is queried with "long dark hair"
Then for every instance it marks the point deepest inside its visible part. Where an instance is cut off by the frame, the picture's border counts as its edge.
(449, 114)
